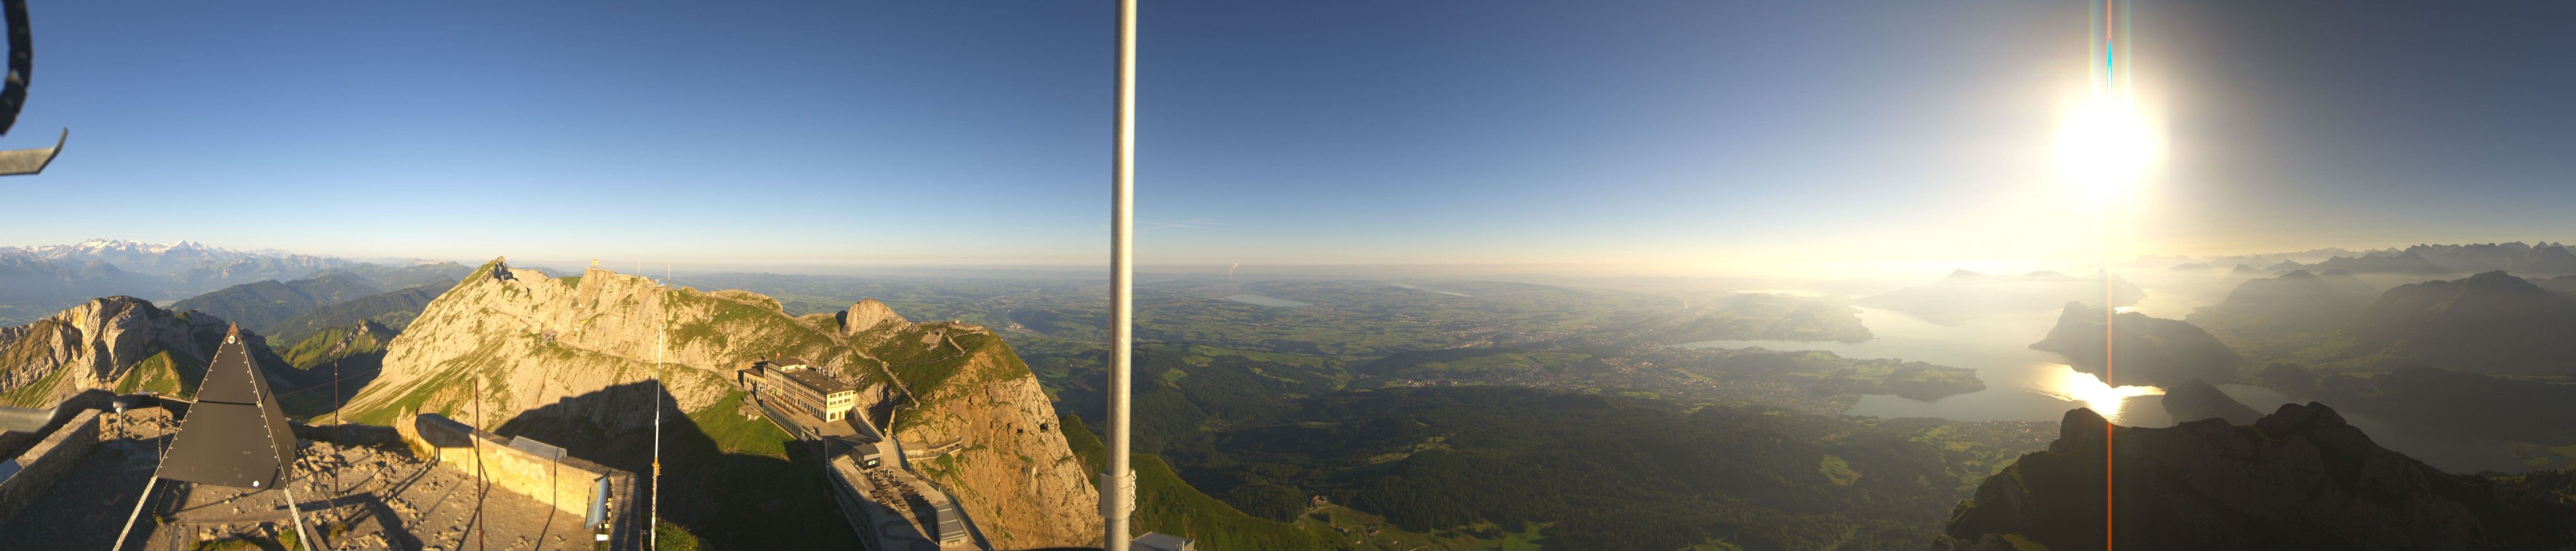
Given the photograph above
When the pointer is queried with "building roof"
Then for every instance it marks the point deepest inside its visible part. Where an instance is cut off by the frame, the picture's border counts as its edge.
(952, 524)
(817, 381)
(784, 362)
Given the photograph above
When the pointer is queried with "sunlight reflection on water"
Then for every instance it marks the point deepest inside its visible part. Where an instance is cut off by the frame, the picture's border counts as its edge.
(2030, 385)
(2021, 384)
(2105, 399)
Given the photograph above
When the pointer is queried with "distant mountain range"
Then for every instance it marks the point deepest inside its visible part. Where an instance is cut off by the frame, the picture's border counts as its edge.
(1963, 295)
(160, 259)
(288, 311)
(265, 302)
(2490, 322)
(2297, 301)
(32, 288)
(394, 310)
(2545, 258)
(36, 281)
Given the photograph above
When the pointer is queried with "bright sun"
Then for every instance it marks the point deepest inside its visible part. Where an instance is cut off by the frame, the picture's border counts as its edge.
(2106, 146)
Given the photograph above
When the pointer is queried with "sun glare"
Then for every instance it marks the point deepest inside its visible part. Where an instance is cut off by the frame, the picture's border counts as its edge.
(2102, 398)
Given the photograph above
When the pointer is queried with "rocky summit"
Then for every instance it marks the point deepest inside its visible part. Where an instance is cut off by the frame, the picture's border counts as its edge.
(2300, 478)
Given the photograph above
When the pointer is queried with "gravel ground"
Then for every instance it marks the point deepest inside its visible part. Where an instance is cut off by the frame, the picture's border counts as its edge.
(353, 497)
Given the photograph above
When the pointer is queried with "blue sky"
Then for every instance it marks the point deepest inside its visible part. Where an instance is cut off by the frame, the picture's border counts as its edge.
(1654, 136)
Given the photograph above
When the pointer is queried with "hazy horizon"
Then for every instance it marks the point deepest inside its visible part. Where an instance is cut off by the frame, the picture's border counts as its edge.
(1862, 269)
(1650, 138)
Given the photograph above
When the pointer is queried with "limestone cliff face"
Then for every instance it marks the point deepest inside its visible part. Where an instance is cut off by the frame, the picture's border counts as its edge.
(994, 411)
(537, 343)
(93, 345)
(531, 341)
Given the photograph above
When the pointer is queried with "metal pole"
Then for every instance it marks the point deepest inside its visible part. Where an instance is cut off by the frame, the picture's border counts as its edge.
(1118, 486)
(297, 515)
(138, 512)
(653, 525)
(483, 484)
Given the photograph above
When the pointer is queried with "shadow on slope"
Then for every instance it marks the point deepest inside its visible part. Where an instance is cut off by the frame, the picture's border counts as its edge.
(735, 483)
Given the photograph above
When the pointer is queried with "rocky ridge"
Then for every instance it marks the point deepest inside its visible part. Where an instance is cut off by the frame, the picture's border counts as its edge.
(583, 349)
(2300, 478)
(2194, 400)
(2158, 351)
(97, 344)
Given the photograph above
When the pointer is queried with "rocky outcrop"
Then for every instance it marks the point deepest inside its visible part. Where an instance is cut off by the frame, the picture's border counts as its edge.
(868, 315)
(2299, 478)
(584, 350)
(2194, 400)
(95, 344)
(2157, 351)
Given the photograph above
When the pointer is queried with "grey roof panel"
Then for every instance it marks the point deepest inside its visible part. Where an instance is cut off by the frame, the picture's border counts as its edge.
(222, 444)
(816, 380)
(233, 378)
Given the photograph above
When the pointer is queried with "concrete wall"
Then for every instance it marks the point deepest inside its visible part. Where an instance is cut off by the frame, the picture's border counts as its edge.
(568, 483)
(48, 461)
(351, 435)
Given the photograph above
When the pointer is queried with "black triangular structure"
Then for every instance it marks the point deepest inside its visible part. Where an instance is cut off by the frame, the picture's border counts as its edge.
(235, 435)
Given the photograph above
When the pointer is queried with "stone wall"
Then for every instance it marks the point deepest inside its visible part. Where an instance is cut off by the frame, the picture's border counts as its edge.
(13, 443)
(569, 482)
(47, 461)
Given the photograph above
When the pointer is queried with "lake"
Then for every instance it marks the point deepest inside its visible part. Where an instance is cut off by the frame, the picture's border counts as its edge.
(2021, 384)
(2030, 385)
